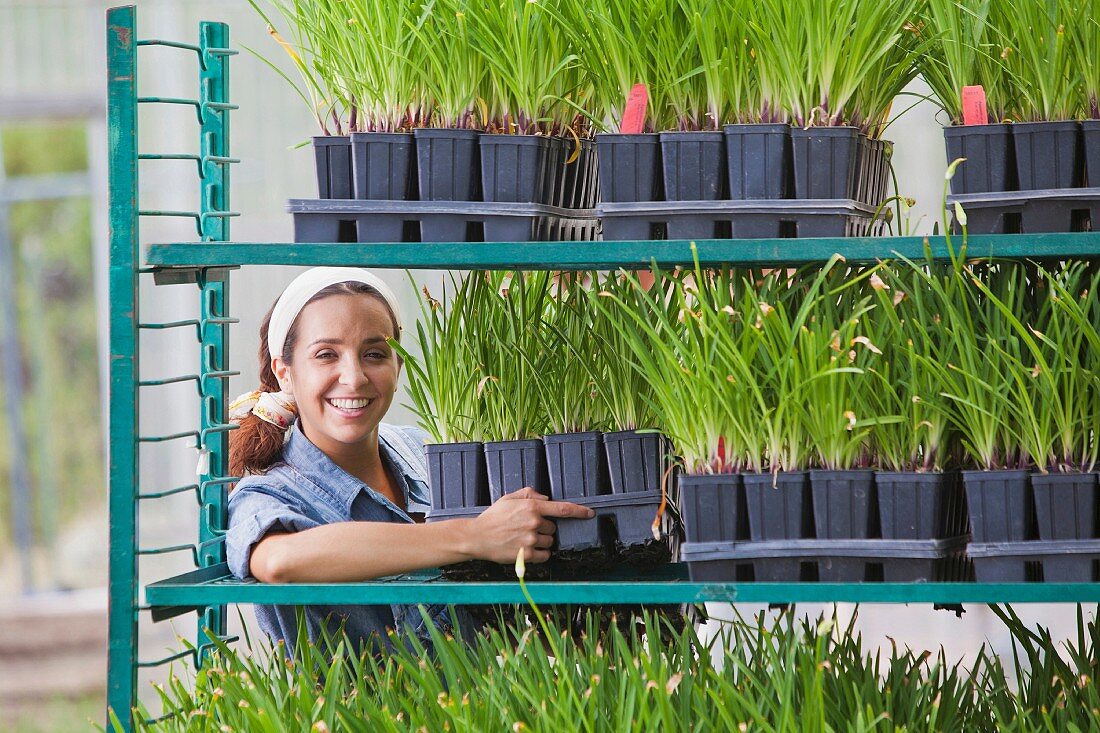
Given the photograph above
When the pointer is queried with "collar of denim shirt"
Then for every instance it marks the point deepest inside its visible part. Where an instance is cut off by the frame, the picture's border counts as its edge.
(340, 486)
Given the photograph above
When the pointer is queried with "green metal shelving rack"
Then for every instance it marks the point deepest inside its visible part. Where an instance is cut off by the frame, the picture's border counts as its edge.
(207, 262)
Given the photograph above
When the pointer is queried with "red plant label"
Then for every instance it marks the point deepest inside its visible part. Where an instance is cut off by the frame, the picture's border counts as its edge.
(974, 108)
(634, 115)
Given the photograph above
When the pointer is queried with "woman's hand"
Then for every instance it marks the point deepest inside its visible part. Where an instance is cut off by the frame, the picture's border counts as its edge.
(521, 520)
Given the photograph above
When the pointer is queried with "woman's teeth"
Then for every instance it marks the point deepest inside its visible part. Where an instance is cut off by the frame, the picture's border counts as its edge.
(349, 404)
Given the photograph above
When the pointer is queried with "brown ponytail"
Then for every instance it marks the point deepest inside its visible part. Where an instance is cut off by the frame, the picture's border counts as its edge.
(256, 444)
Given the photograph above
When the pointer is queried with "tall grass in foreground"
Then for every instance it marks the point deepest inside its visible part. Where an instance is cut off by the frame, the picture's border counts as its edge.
(785, 674)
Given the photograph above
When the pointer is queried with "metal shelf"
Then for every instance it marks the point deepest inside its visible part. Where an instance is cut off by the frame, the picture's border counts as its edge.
(214, 585)
(608, 255)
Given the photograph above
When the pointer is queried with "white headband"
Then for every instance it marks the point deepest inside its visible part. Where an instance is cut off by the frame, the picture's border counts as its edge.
(308, 284)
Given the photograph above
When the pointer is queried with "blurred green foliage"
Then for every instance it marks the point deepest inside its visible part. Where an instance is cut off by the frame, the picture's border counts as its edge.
(57, 322)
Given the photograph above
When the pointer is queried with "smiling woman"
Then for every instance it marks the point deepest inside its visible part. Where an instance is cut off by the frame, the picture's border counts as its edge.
(333, 494)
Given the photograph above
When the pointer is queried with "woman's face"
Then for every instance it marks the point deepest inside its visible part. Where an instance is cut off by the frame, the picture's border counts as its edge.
(342, 374)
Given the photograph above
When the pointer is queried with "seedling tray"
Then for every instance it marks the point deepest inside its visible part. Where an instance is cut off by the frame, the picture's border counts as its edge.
(753, 219)
(828, 560)
(330, 220)
(1053, 561)
(622, 520)
(1029, 212)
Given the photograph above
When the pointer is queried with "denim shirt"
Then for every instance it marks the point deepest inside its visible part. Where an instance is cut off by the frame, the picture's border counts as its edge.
(305, 489)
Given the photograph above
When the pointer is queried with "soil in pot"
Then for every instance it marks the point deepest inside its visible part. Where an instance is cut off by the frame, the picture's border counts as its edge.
(332, 154)
(844, 504)
(1048, 154)
(713, 507)
(1065, 505)
(779, 505)
(514, 167)
(383, 166)
(629, 167)
(990, 163)
(514, 464)
(920, 506)
(693, 165)
(457, 476)
(826, 160)
(1000, 505)
(636, 460)
(576, 464)
(758, 161)
(447, 164)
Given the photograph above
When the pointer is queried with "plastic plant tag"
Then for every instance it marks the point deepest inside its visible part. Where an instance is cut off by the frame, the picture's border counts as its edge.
(634, 115)
(974, 107)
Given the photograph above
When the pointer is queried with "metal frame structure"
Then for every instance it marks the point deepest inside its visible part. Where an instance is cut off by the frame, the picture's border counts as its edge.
(207, 262)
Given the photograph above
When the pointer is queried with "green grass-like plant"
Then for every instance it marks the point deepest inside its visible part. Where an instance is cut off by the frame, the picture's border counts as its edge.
(442, 379)
(964, 50)
(786, 674)
(1083, 37)
(837, 62)
(1042, 71)
(508, 346)
(528, 63)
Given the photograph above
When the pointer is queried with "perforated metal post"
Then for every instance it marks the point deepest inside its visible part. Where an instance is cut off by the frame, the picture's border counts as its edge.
(213, 326)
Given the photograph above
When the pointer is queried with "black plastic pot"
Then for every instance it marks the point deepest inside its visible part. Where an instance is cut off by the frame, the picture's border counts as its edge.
(1090, 143)
(513, 167)
(629, 167)
(383, 166)
(990, 163)
(576, 465)
(636, 461)
(1000, 505)
(844, 504)
(758, 161)
(332, 154)
(456, 475)
(1065, 505)
(447, 164)
(514, 464)
(713, 507)
(1048, 154)
(920, 506)
(826, 160)
(693, 165)
(779, 506)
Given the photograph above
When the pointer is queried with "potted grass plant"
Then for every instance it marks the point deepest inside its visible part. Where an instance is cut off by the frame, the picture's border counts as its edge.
(507, 347)
(1043, 80)
(693, 150)
(447, 144)
(565, 383)
(612, 40)
(384, 79)
(835, 353)
(836, 67)
(1054, 401)
(442, 383)
(917, 498)
(977, 387)
(964, 50)
(670, 341)
(529, 67)
(740, 97)
(315, 34)
(636, 449)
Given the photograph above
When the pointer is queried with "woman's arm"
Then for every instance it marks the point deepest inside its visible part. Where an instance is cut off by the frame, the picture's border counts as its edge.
(351, 551)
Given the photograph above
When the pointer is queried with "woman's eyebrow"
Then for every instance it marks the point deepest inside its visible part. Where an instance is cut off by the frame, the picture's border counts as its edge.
(340, 342)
